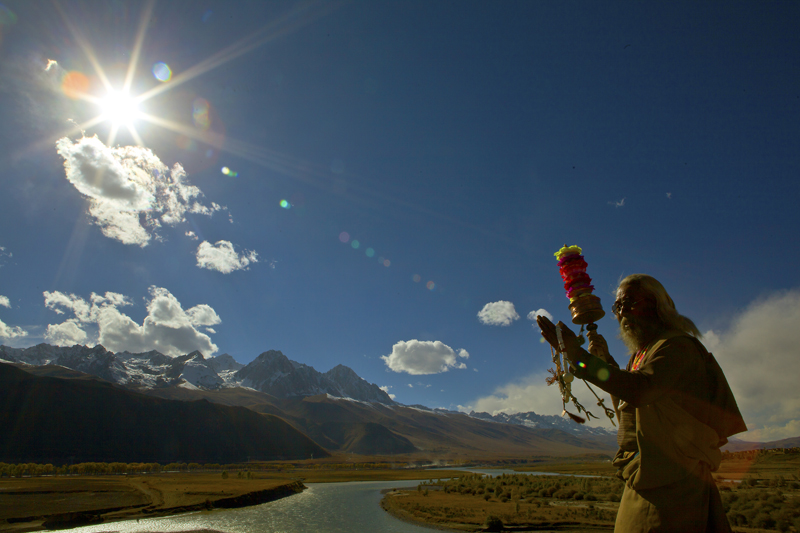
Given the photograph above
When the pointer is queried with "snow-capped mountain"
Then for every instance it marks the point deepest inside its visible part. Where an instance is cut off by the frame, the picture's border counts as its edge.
(532, 420)
(271, 372)
(274, 373)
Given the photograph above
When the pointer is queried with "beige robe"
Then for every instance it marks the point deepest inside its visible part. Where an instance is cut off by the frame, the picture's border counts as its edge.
(676, 412)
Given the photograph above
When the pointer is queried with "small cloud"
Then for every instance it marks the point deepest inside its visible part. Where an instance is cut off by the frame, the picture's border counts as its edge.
(192, 235)
(5, 302)
(410, 386)
(474, 369)
(11, 332)
(385, 389)
(618, 203)
(539, 312)
(500, 313)
(223, 258)
(424, 357)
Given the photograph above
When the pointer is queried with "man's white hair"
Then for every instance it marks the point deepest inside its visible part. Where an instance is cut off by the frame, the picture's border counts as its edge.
(665, 307)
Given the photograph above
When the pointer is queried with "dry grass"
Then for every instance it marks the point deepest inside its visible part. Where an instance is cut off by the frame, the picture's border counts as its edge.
(459, 511)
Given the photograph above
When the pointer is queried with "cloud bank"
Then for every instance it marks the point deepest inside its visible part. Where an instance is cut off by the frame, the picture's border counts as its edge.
(424, 357)
(223, 258)
(167, 328)
(758, 353)
(131, 192)
(529, 394)
(500, 313)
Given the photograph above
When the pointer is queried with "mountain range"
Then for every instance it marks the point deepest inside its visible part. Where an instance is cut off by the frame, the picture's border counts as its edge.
(337, 409)
(271, 372)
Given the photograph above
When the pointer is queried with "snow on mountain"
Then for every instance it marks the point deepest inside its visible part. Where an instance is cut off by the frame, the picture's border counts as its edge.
(532, 420)
(271, 372)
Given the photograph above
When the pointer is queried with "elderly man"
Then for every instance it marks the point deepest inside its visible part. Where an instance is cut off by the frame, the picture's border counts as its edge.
(674, 406)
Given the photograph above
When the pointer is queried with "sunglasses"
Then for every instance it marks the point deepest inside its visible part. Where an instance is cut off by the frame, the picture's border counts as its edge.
(618, 305)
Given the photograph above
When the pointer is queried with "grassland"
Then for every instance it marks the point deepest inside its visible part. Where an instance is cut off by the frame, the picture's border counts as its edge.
(760, 492)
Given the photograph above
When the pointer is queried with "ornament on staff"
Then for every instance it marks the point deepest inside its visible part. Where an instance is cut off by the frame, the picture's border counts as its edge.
(586, 309)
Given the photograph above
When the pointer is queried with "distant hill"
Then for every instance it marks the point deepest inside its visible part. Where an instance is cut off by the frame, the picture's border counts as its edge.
(736, 445)
(45, 418)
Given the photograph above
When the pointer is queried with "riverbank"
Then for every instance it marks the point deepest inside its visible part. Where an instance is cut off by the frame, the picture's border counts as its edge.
(54, 502)
(35, 504)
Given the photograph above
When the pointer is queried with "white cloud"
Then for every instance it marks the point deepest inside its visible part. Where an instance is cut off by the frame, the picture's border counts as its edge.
(5, 302)
(131, 192)
(500, 313)
(67, 333)
(11, 332)
(424, 357)
(758, 353)
(223, 258)
(167, 328)
(192, 235)
(385, 389)
(539, 312)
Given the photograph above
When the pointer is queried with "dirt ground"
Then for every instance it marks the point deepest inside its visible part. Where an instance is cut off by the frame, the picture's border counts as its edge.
(27, 503)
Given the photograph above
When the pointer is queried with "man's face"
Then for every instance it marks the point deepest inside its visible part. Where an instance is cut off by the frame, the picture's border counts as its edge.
(638, 319)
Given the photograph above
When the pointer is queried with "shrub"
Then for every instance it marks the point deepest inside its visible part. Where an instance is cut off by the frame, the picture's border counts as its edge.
(493, 523)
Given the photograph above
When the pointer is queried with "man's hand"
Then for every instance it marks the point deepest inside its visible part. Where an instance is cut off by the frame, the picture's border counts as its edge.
(598, 347)
(549, 333)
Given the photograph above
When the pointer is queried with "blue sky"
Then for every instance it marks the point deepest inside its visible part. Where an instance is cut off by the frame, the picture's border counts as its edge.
(461, 144)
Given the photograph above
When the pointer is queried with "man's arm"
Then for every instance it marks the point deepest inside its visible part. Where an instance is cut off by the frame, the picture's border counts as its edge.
(676, 359)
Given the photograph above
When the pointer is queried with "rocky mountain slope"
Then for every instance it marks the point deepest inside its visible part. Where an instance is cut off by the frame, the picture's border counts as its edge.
(271, 372)
(49, 419)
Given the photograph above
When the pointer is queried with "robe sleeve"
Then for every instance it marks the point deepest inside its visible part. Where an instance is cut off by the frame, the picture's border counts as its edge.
(665, 369)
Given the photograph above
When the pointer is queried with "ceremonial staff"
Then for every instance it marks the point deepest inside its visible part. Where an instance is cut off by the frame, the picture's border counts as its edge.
(586, 309)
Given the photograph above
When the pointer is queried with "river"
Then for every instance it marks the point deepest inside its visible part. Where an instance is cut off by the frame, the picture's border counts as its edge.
(323, 508)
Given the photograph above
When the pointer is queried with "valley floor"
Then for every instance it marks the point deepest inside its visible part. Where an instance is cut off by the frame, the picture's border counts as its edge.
(31, 504)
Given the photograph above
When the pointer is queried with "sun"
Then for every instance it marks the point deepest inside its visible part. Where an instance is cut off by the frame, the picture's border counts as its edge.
(120, 108)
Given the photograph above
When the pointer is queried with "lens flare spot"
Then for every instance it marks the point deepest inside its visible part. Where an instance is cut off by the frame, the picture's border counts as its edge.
(387, 263)
(232, 174)
(7, 17)
(200, 114)
(344, 236)
(74, 84)
(355, 244)
(370, 252)
(603, 374)
(431, 285)
(417, 278)
(186, 143)
(162, 72)
(285, 204)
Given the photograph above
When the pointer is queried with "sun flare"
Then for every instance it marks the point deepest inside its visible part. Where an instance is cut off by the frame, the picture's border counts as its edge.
(120, 108)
